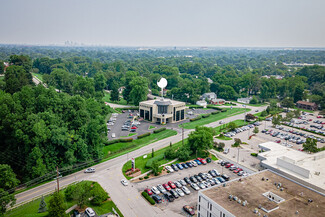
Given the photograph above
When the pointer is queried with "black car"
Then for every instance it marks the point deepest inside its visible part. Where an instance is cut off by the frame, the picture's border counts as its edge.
(169, 197)
(189, 164)
(174, 193)
(187, 180)
(157, 198)
(225, 177)
(193, 179)
(198, 178)
(212, 173)
(185, 166)
(174, 167)
(202, 176)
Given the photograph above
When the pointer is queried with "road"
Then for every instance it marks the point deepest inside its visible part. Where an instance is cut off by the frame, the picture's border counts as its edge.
(109, 174)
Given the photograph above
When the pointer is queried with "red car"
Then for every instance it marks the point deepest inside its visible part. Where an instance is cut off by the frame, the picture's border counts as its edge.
(202, 160)
(319, 116)
(166, 187)
(238, 170)
(148, 191)
(277, 141)
(189, 210)
(134, 128)
(228, 165)
(172, 185)
(310, 119)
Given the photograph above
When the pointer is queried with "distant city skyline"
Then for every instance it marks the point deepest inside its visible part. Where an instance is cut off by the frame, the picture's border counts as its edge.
(169, 23)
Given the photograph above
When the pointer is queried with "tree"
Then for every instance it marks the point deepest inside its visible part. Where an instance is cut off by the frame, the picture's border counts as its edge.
(100, 81)
(99, 194)
(253, 100)
(152, 153)
(170, 153)
(15, 78)
(276, 120)
(220, 146)
(2, 67)
(256, 130)
(42, 206)
(35, 163)
(227, 92)
(250, 117)
(56, 206)
(201, 139)
(298, 93)
(289, 116)
(287, 103)
(183, 153)
(139, 90)
(232, 126)
(115, 95)
(81, 193)
(310, 145)
(297, 113)
(8, 181)
(155, 167)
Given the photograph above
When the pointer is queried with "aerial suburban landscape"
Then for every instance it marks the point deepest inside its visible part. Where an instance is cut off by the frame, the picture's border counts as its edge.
(154, 109)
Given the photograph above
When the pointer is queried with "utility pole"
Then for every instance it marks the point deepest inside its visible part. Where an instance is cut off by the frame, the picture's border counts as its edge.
(238, 156)
(57, 178)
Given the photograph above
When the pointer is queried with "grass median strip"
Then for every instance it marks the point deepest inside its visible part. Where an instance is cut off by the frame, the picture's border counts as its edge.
(215, 117)
(118, 149)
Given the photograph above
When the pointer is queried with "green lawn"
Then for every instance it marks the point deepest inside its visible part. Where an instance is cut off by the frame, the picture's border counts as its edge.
(107, 98)
(213, 118)
(118, 149)
(151, 127)
(223, 138)
(223, 128)
(31, 209)
(39, 76)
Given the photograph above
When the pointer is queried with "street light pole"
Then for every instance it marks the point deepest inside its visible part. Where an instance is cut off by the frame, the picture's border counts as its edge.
(238, 156)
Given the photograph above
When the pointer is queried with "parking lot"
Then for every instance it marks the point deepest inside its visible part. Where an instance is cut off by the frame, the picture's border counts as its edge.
(191, 199)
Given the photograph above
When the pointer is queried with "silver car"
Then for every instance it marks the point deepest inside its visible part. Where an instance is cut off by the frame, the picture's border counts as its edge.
(180, 192)
(186, 190)
(182, 182)
(155, 190)
(178, 185)
(195, 187)
(161, 189)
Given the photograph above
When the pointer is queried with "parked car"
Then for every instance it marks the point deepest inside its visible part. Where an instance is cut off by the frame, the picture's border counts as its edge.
(155, 190)
(148, 191)
(184, 166)
(194, 163)
(178, 185)
(182, 182)
(157, 198)
(221, 179)
(197, 162)
(169, 168)
(186, 190)
(229, 165)
(237, 170)
(174, 193)
(167, 187)
(203, 161)
(208, 160)
(193, 179)
(225, 177)
(187, 180)
(90, 170)
(180, 192)
(175, 168)
(90, 212)
(195, 186)
(179, 166)
(189, 164)
(201, 185)
(216, 171)
(169, 197)
(189, 210)
(124, 182)
(171, 184)
(226, 151)
(113, 135)
(199, 179)
(161, 189)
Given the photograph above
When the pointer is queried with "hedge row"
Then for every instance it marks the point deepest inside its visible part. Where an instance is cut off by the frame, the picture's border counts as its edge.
(159, 130)
(214, 107)
(205, 116)
(215, 112)
(117, 141)
(195, 107)
(223, 110)
(254, 154)
(195, 119)
(148, 198)
(144, 135)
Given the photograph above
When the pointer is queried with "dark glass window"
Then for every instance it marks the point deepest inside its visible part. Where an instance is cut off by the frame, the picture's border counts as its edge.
(162, 109)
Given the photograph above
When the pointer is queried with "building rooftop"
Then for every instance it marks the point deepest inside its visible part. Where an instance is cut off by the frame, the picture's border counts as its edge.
(260, 192)
(306, 103)
(308, 168)
(164, 102)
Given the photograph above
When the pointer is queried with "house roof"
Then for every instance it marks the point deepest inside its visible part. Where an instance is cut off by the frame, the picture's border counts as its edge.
(217, 100)
(306, 103)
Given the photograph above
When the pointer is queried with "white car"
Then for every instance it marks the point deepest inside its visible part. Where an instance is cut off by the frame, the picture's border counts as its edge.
(182, 182)
(113, 135)
(124, 182)
(219, 161)
(186, 190)
(169, 168)
(216, 171)
(195, 187)
(90, 170)
(201, 185)
(90, 212)
(161, 189)
(180, 192)
(178, 185)
(208, 175)
(155, 190)
(194, 163)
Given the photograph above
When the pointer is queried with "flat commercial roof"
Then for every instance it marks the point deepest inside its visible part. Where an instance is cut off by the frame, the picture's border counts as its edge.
(314, 163)
(252, 188)
(166, 101)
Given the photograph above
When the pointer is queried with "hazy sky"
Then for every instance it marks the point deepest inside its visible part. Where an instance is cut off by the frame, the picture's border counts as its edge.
(270, 23)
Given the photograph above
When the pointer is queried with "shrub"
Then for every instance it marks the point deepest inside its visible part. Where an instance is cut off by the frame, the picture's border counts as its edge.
(148, 198)
(214, 107)
(143, 135)
(140, 178)
(170, 153)
(223, 110)
(159, 130)
(146, 177)
(168, 171)
(126, 140)
(215, 112)
(99, 194)
(205, 116)
(196, 118)
(111, 142)
(254, 154)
